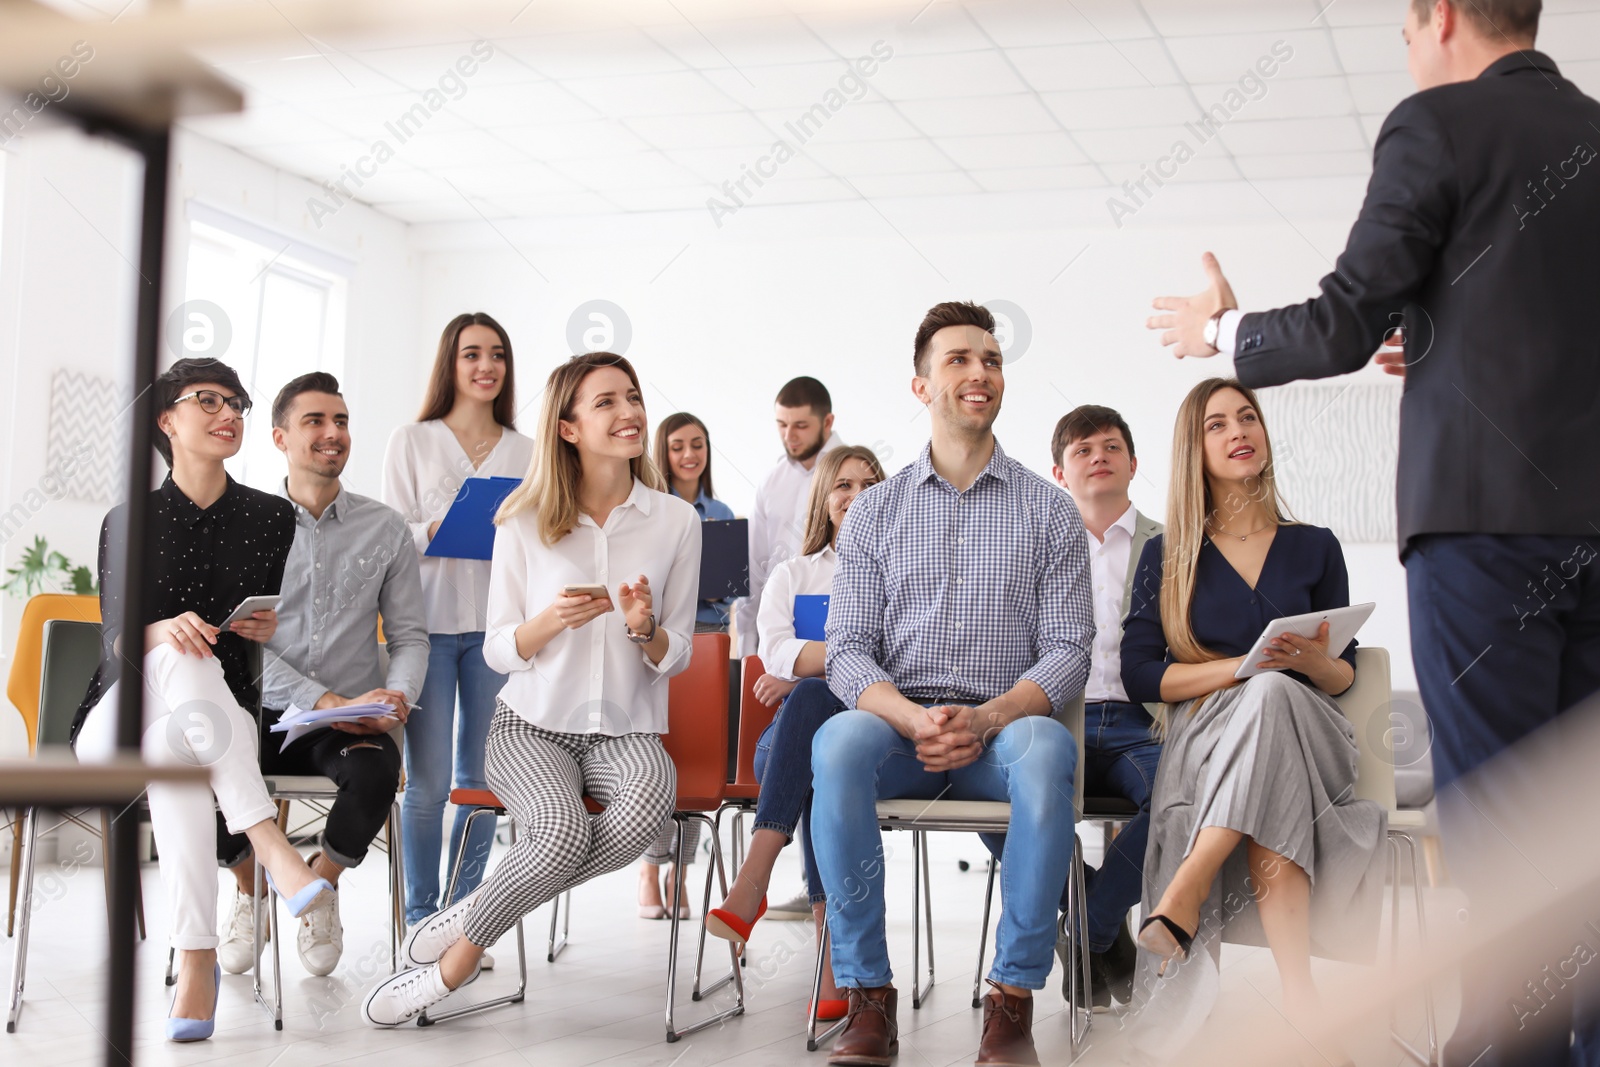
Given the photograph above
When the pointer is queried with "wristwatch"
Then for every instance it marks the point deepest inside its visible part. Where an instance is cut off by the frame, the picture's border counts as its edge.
(1213, 328)
(644, 638)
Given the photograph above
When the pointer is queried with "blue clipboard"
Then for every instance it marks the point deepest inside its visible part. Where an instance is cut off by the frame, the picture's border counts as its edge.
(467, 529)
(811, 617)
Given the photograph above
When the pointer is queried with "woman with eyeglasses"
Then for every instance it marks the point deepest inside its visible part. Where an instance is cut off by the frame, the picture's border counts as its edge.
(466, 430)
(212, 543)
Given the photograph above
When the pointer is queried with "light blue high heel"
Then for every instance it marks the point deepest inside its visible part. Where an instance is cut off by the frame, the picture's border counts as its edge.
(196, 1029)
(302, 900)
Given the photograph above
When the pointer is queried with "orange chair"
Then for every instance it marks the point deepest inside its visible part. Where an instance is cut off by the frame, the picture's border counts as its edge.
(741, 794)
(697, 741)
(22, 689)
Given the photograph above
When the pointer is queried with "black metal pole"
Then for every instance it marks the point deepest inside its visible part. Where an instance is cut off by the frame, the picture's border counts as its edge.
(122, 849)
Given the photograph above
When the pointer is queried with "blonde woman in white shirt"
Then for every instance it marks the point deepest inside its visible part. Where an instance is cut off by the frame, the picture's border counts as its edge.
(466, 430)
(585, 705)
(794, 669)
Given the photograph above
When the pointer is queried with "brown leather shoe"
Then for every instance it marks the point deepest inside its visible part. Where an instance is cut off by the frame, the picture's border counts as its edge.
(1007, 1031)
(871, 1035)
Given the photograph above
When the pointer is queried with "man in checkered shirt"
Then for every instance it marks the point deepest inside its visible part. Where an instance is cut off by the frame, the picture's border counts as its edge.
(960, 619)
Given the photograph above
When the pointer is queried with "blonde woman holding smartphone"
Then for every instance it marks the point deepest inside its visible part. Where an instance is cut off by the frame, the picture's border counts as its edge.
(584, 707)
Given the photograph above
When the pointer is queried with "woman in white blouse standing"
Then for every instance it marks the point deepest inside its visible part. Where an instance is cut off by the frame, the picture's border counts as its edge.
(585, 707)
(794, 674)
(466, 430)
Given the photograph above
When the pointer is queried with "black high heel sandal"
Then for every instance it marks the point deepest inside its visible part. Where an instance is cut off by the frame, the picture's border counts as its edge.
(1169, 941)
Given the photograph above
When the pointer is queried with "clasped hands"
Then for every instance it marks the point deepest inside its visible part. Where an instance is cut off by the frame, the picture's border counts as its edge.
(950, 736)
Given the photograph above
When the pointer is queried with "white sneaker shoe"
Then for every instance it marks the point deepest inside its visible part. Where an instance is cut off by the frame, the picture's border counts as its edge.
(236, 952)
(429, 938)
(795, 909)
(404, 996)
(487, 963)
(321, 937)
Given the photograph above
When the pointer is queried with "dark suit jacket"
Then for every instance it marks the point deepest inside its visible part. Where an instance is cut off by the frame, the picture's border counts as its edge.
(1481, 231)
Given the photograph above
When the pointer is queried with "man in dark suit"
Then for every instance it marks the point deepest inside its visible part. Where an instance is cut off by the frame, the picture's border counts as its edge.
(1479, 233)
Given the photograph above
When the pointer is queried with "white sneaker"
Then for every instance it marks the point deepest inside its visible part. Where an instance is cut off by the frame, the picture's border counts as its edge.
(321, 937)
(404, 996)
(795, 909)
(487, 963)
(236, 952)
(429, 938)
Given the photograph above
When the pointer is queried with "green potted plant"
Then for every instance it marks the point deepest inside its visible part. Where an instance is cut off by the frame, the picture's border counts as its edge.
(43, 571)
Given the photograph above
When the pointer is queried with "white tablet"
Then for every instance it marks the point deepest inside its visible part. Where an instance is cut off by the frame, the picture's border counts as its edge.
(249, 606)
(1342, 626)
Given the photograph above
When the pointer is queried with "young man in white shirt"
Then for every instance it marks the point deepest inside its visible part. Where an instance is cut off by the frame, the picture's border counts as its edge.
(1094, 462)
(803, 411)
(804, 414)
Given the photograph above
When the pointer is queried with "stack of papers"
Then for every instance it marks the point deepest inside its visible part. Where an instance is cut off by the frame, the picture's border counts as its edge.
(297, 722)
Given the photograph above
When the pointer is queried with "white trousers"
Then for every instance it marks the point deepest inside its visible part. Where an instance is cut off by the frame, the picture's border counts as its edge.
(190, 719)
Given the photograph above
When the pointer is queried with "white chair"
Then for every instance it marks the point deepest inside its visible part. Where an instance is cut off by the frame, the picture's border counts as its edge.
(319, 793)
(1366, 699)
(921, 817)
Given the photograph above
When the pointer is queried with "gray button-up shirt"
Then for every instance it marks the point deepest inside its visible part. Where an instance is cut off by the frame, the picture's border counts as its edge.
(344, 568)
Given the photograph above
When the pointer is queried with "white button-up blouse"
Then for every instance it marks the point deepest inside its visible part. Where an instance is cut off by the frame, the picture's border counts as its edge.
(423, 469)
(593, 679)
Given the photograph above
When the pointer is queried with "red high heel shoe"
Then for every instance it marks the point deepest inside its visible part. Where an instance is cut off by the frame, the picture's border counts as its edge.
(725, 924)
(830, 1010)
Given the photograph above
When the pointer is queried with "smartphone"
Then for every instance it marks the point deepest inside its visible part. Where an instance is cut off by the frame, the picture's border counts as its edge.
(248, 607)
(596, 590)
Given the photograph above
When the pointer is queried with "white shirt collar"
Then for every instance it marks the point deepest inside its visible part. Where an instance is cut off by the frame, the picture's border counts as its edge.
(1127, 520)
(638, 497)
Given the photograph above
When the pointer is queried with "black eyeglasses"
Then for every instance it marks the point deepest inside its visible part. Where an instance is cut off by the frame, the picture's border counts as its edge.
(211, 402)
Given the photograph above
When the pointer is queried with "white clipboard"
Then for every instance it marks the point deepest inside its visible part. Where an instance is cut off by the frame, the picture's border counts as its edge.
(1342, 626)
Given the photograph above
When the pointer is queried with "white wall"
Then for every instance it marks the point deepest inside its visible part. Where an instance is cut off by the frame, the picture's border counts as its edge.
(720, 316)
(837, 291)
(67, 284)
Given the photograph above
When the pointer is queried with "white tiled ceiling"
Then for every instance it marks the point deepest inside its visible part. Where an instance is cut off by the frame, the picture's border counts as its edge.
(585, 110)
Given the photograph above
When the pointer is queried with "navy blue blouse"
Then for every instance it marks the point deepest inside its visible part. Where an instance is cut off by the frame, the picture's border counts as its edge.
(1303, 572)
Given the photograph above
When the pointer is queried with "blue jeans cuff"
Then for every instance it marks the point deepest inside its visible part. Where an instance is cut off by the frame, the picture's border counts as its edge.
(1018, 978)
(777, 827)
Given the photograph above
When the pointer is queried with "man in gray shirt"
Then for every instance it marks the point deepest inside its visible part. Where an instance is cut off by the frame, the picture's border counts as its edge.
(352, 559)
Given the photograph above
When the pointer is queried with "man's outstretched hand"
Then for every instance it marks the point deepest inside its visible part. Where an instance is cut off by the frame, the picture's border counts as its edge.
(1184, 324)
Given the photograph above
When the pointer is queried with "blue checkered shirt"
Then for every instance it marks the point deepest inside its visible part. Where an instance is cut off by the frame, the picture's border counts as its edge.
(955, 597)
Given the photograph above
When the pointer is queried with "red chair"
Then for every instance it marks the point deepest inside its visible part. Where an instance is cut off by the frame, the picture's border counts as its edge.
(741, 794)
(697, 741)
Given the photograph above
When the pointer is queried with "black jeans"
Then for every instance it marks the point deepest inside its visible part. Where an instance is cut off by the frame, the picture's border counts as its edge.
(366, 768)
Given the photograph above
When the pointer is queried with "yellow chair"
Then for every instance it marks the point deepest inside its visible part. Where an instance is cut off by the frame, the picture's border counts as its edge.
(22, 689)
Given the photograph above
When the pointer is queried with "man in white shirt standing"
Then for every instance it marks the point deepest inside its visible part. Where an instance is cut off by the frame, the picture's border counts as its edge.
(804, 414)
(1094, 461)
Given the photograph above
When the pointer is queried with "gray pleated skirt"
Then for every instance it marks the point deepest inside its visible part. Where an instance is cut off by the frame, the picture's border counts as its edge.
(1275, 760)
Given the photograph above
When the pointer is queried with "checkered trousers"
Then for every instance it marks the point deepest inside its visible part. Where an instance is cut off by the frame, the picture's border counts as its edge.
(541, 777)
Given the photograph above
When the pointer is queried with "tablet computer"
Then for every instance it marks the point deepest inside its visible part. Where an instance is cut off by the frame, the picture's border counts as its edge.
(724, 559)
(249, 606)
(1342, 626)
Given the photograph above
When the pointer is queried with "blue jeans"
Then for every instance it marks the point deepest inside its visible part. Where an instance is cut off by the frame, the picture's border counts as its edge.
(858, 759)
(441, 738)
(1119, 760)
(785, 748)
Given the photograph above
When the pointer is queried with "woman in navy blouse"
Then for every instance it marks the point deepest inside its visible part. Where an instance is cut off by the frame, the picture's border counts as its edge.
(1255, 837)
